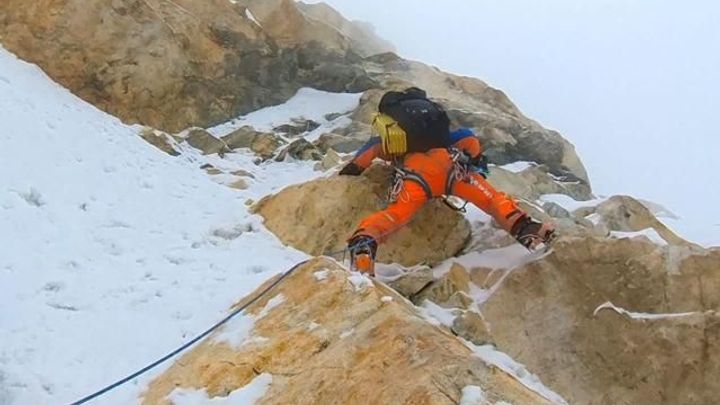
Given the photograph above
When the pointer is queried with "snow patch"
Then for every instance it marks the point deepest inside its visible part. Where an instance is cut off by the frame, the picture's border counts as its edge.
(247, 395)
(473, 395)
(491, 356)
(649, 233)
(312, 326)
(508, 257)
(321, 275)
(360, 281)
(570, 203)
(306, 104)
(347, 333)
(386, 298)
(237, 332)
(641, 315)
(437, 315)
(517, 167)
(251, 17)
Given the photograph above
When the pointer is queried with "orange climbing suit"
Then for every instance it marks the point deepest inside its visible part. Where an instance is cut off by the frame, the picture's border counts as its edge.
(434, 167)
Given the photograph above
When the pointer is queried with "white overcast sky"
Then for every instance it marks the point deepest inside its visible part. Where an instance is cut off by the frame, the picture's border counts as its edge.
(635, 85)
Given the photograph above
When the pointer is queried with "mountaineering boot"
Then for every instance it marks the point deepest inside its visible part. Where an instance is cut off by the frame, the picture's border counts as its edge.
(533, 234)
(362, 254)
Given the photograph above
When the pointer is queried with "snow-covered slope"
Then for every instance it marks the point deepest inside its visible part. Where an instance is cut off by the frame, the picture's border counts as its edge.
(111, 252)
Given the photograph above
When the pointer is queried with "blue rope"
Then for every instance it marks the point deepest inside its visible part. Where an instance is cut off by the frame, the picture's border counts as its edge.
(190, 343)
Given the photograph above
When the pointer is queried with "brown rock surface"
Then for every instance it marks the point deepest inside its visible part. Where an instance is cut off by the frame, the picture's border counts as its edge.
(362, 348)
(318, 217)
(173, 64)
(543, 316)
(200, 139)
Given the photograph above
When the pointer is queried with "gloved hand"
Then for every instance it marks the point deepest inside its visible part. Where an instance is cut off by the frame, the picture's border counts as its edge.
(351, 169)
(478, 164)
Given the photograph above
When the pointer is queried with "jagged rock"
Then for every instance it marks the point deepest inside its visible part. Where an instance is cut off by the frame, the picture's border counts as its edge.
(210, 169)
(264, 144)
(239, 184)
(450, 291)
(555, 210)
(470, 326)
(326, 336)
(329, 161)
(201, 139)
(412, 281)
(160, 140)
(339, 143)
(243, 173)
(535, 181)
(318, 217)
(543, 316)
(626, 214)
(361, 35)
(241, 137)
(300, 149)
(299, 127)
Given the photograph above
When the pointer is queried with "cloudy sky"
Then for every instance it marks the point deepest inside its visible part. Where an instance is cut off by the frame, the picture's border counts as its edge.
(635, 85)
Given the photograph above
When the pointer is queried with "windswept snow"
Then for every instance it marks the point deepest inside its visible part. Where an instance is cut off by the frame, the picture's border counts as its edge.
(491, 356)
(517, 167)
(112, 252)
(568, 202)
(649, 233)
(641, 315)
(508, 257)
(247, 395)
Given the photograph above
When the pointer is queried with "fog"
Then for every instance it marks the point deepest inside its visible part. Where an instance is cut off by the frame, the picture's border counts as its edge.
(635, 85)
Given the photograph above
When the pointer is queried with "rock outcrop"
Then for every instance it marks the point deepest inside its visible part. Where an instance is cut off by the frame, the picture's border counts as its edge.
(173, 64)
(318, 217)
(605, 321)
(326, 336)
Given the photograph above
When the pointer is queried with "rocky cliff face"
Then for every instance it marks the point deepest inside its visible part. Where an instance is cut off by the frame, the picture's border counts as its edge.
(171, 64)
(327, 336)
(189, 63)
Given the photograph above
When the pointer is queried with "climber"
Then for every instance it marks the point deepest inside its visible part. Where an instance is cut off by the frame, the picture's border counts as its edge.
(430, 162)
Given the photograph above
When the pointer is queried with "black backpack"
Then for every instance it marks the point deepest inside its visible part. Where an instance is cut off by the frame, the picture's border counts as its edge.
(426, 124)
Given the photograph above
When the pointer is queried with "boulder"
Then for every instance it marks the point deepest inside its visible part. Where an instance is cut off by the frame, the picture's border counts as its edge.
(339, 143)
(412, 281)
(324, 335)
(450, 291)
(318, 217)
(297, 127)
(549, 316)
(472, 327)
(201, 139)
(160, 140)
(264, 144)
(300, 149)
(329, 161)
(535, 181)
